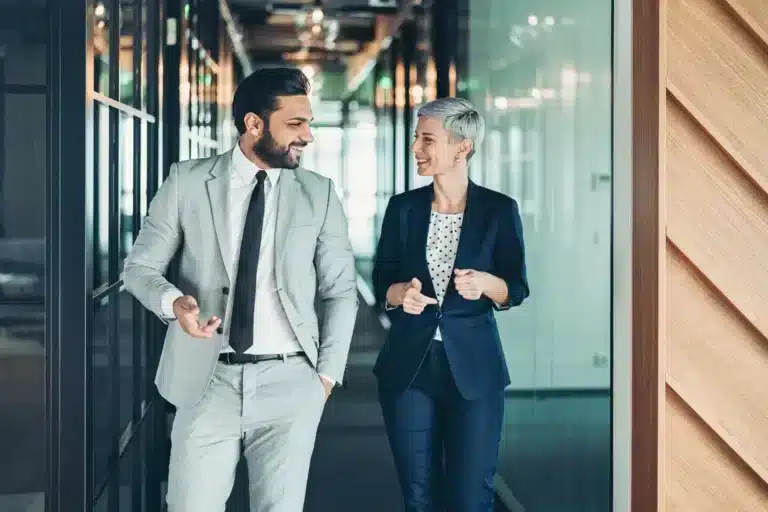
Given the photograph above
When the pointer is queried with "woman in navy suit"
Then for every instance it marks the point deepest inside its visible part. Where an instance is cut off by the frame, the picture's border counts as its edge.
(449, 255)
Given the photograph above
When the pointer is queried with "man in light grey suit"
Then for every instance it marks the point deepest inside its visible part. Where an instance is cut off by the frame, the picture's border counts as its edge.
(246, 361)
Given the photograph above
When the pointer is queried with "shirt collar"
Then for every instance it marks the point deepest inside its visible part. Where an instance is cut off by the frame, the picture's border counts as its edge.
(246, 170)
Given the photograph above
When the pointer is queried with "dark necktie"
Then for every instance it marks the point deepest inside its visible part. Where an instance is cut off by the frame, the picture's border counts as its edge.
(241, 329)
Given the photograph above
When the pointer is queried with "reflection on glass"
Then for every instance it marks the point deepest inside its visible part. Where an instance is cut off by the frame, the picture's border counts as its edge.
(126, 339)
(24, 151)
(127, 186)
(127, 42)
(144, 55)
(103, 21)
(132, 473)
(360, 181)
(102, 403)
(198, 92)
(22, 408)
(101, 195)
(546, 99)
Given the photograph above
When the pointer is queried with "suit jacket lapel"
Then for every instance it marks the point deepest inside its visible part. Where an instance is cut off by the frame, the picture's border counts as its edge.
(218, 196)
(288, 195)
(472, 233)
(418, 219)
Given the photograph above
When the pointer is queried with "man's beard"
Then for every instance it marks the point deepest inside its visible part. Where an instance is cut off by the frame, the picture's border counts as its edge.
(274, 155)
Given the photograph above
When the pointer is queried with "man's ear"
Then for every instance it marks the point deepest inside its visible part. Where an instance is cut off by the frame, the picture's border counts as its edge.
(254, 124)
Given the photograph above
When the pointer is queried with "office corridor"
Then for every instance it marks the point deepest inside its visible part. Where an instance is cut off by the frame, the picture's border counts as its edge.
(352, 468)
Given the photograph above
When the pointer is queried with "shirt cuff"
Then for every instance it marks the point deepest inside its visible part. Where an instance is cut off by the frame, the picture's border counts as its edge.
(389, 307)
(166, 304)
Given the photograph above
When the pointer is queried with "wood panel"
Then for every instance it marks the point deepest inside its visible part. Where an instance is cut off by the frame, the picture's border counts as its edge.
(704, 474)
(717, 362)
(717, 216)
(716, 177)
(721, 72)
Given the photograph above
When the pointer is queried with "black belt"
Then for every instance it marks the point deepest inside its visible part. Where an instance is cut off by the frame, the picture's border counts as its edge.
(233, 358)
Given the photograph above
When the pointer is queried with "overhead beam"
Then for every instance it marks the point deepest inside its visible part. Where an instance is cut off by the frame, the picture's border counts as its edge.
(361, 65)
(236, 37)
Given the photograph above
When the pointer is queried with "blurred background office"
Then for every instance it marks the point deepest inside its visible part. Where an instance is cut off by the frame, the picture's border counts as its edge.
(98, 98)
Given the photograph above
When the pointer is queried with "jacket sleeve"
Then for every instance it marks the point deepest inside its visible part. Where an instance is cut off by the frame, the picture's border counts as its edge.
(387, 262)
(159, 239)
(336, 288)
(509, 256)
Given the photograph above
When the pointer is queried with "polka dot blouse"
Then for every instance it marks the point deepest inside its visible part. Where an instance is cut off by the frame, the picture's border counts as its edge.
(442, 243)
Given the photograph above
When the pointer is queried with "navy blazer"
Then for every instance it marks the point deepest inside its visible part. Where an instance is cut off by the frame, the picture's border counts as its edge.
(491, 241)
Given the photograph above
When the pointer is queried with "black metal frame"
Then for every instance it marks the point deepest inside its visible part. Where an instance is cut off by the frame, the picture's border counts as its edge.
(68, 256)
(70, 250)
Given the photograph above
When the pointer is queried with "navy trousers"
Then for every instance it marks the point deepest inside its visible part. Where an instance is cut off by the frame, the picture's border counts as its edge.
(445, 447)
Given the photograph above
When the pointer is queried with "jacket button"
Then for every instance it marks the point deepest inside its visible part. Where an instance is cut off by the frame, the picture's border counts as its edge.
(219, 330)
(225, 290)
(439, 314)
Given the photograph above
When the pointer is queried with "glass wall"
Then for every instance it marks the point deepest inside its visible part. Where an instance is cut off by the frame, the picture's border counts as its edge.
(206, 82)
(24, 146)
(541, 73)
(124, 140)
(126, 134)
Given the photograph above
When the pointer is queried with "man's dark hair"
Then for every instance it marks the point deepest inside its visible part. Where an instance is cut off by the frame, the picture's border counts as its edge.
(259, 91)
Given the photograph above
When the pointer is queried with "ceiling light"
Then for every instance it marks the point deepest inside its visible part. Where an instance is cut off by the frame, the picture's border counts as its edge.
(533, 20)
(317, 16)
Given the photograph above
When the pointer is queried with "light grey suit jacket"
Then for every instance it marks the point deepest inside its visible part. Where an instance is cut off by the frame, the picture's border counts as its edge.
(313, 260)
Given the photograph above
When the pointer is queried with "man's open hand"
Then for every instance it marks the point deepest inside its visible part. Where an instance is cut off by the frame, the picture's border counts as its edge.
(188, 315)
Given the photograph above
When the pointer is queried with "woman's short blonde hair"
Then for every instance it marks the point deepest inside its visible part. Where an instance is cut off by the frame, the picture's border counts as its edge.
(459, 117)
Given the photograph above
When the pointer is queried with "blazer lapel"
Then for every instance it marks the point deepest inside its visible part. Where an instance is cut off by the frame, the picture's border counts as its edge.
(472, 232)
(418, 218)
(218, 196)
(288, 194)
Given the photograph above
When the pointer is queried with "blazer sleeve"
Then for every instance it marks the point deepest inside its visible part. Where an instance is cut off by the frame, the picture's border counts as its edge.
(387, 261)
(509, 256)
(336, 287)
(159, 238)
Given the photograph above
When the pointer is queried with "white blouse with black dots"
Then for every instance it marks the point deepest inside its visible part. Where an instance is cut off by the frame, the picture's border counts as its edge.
(442, 243)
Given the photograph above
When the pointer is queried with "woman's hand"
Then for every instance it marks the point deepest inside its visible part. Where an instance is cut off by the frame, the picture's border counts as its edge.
(469, 283)
(473, 284)
(409, 296)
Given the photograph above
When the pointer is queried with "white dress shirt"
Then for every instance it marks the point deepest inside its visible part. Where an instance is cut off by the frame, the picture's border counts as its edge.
(272, 333)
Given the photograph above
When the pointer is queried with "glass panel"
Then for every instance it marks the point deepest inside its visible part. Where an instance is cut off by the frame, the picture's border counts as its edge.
(102, 403)
(128, 14)
(127, 186)
(103, 23)
(126, 339)
(132, 473)
(22, 408)
(547, 104)
(23, 171)
(101, 195)
(144, 56)
(360, 181)
(102, 502)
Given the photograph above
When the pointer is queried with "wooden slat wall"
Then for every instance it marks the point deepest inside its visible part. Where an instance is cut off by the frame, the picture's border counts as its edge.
(716, 158)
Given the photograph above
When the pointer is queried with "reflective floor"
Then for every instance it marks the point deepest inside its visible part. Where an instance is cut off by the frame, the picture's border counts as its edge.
(553, 458)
